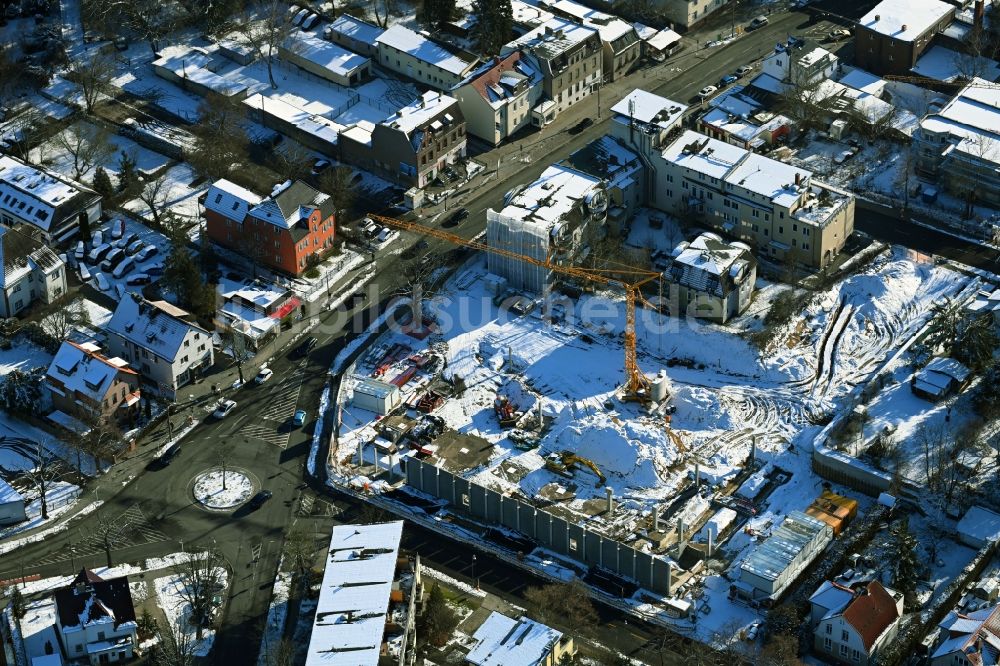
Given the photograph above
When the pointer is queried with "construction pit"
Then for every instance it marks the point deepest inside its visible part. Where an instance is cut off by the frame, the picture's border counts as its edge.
(529, 408)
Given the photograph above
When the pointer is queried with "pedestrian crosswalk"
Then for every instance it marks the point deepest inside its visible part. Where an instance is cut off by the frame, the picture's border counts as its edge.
(273, 424)
(129, 529)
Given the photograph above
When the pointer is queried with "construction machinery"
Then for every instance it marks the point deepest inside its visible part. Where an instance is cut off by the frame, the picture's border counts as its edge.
(566, 462)
(631, 280)
(506, 411)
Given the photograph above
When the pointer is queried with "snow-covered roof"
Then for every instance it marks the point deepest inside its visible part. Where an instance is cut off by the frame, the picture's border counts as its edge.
(528, 14)
(426, 110)
(963, 630)
(504, 641)
(351, 610)
(419, 47)
(33, 194)
(320, 127)
(949, 367)
(768, 83)
(779, 182)
(289, 204)
(356, 29)
(703, 154)
(831, 597)
(717, 524)
(663, 39)
(736, 102)
(81, 369)
(905, 20)
(608, 158)
(814, 55)
(194, 64)
(731, 124)
(375, 388)
(155, 326)
(649, 108)
(556, 192)
(324, 54)
(21, 253)
(261, 294)
(943, 64)
(552, 38)
(972, 119)
(8, 494)
(710, 265)
(504, 80)
(230, 200)
(979, 523)
(770, 559)
(610, 28)
(864, 81)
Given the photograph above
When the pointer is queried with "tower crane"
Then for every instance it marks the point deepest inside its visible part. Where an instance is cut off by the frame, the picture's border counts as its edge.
(631, 280)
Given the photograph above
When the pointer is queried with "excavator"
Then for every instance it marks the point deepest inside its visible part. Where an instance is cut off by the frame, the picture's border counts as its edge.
(566, 461)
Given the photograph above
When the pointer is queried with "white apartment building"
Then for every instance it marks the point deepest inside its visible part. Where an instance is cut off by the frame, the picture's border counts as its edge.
(497, 98)
(31, 271)
(417, 57)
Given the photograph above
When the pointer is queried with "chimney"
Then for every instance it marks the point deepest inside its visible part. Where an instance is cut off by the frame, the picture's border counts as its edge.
(904, 28)
(877, 18)
(548, 30)
(610, 492)
(496, 61)
(656, 518)
(798, 176)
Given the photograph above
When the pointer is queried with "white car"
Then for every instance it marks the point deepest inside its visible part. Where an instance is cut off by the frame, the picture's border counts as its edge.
(123, 268)
(80, 251)
(262, 376)
(117, 229)
(84, 273)
(300, 16)
(146, 252)
(224, 408)
(101, 282)
(707, 91)
(98, 253)
(98, 238)
(310, 21)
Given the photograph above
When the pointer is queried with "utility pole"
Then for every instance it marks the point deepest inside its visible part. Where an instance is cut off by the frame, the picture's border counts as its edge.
(733, 4)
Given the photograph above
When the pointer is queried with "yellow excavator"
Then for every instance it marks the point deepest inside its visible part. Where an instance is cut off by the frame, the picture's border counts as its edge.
(566, 461)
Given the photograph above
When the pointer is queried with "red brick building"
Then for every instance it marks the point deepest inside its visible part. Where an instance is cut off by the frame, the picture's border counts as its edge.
(281, 231)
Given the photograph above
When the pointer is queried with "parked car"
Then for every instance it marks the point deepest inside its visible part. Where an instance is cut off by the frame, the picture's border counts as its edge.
(169, 455)
(582, 125)
(370, 230)
(146, 253)
(292, 11)
(127, 240)
(838, 34)
(98, 238)
(320, 166)
(114, 257)
(310, 21)
(300, 16)
(306, 347)
(753, 631)
(224, 408)
(452, 173)
(299, 418)
(727, 79)
(116, 229)
(460, 215)
(707, 92)
(98, 253)
(84, 273)
(123, 268)
(744, 70)
(133, 247)
(101, 282)
(384, 235)
(259, 499)
(153, 269)
(138, 279)
(80, 251)
(264, 374)
(758, 22)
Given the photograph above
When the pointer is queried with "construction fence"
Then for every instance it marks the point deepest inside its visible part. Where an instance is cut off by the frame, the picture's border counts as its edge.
(556, 534)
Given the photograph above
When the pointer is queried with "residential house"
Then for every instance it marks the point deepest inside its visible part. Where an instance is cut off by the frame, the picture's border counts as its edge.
(527, 16)
(160, 341)
(968, 639)
(419, 58)
(31, 271)
(503, 641)
(253, 310)
(710, 278)
(83, 382)
(411, 146)
(325, 59)
(658, 45)
(354, 34)
(800, 64)
(684, 14)
(570, 56)
(95, 619)
(978, 527)
(619, 40)
(855, 632)
(959, 144)
(890, 37)
(778, 209)
(940, 378)
(555, 218)
(45, 200)
(366, 609)
(311, 129)
(11, 505)
(737, 117)
(288, 231)
(497, 98)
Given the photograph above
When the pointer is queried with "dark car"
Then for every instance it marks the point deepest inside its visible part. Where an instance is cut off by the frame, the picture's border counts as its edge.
(307, 346)
(460, 215)
(259, 499)
(582, 125)
(168, 456)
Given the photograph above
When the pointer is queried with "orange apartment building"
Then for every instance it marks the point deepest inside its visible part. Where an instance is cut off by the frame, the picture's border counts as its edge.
(282, 231)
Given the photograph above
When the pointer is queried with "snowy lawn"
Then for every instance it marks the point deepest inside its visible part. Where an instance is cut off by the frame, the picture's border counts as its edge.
(24, 356)
(209, 490)
(54, 154)
(179, 194)
(170, 592)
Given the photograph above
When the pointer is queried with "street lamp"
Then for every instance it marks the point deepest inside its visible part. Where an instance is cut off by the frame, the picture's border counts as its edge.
(475, 580)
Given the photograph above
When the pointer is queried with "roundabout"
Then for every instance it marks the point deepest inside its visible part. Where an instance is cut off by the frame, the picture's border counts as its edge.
(219, 489)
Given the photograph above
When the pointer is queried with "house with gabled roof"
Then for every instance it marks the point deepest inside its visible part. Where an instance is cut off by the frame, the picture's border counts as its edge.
(497, 98)
(31, 271)
(83, 381)
(287, 231)
(968, 639)
(161, 341)
(852, 625)
(95, 619)
(710, 278)
(501, 640)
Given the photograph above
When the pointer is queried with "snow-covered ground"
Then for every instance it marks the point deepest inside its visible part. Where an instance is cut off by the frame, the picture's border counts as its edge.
(211, 492)
(171, 598)
(179, 194)
(55, 156)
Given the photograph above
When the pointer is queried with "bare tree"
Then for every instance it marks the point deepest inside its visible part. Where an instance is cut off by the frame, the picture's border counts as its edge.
(281, 653)
(61, 322)
(567, 601)
(291, 160)
(806, 102)
(44, 473)
(87, 145)
(110, 533)
(267, 32)
(201, 580)
(223, 453)
(94, 76)
(155, 193)
(175, 648)
(381, 10)
(338, 182)
(237, 342)
(27, 130)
